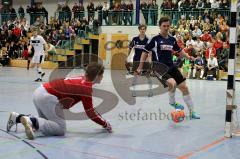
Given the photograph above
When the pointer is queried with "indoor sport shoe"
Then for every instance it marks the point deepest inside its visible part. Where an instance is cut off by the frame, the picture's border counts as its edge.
(177, 105)
(38, 80)
(194, 115)
(12, 121)
(26, 122)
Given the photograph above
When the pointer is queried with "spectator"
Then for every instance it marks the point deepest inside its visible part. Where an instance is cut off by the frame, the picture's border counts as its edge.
(124, 14)
(67, 14)
(105, 12)
(192, 4)
(207, 25)
(130, 12)
(99, 11)
(224, 57)
(208, 4)
(200, 4)
(76, 10)
(215, 4)
(190, 41)
(21, 12)
(206, 37)
(90, 9)
(144, 9)
(12, 12)
(180, 41)
(224, 4)
(196, 32)
(81, 11)
(210, 51)
(198, 66)
(212, 65)
(199, 45)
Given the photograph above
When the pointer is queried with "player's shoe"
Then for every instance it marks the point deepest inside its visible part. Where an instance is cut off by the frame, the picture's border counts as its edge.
(134, 94)
(38, 80)
(177, 105)
(12, 121)
(26, 122)
(194, 115)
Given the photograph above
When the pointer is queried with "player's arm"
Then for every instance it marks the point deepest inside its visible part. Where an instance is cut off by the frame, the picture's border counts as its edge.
(184, 54)
(93, 114)
(131, 46)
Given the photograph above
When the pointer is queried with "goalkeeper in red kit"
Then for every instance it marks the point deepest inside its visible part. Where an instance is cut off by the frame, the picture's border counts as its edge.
(59, 94)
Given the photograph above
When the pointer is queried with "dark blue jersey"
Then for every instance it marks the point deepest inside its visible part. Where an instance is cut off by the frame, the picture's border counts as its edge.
(163, 47)
(139, 46)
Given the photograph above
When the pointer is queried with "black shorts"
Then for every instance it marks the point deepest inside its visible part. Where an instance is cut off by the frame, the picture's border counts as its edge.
(175, 74)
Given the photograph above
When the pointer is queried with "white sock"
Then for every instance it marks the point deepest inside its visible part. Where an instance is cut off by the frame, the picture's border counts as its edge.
(172, 97)
(134, 82)
(149, 83)
(188, 100)
(201, 76)
(194, 73)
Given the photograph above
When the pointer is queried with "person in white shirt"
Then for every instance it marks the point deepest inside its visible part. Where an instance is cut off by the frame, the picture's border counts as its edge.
(190, 41)
(196, 32)
(215, 4)
(199, 45)
(38, 44)
(212, 65)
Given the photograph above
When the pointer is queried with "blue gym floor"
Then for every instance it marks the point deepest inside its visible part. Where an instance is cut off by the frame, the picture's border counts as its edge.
(132, 139)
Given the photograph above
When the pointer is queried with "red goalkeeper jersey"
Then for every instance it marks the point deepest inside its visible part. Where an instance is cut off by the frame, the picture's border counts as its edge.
(72, 90)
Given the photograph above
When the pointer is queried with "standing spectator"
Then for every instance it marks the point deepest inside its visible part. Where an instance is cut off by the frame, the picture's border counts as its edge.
(90, 9)
(144, 9)
(75, 10)
(154, 12)
(208, 4)
(21, 12)
(215, 4)
(105, 12)
(225, 4)
(200, 4)
(43, 11)
(166, 5)
(81, 11)
(99, 11)
(130, 12)
(192, 4)
(12, 13)
(67, 12)
(124, 14)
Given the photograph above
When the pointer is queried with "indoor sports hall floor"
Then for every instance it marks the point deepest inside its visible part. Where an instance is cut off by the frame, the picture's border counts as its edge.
(140, 138)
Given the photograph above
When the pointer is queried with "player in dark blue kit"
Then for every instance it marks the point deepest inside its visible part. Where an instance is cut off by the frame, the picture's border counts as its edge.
(165, 44)
(137, 45)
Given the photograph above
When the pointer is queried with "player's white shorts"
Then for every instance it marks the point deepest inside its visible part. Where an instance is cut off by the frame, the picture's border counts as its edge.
(38, 58)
